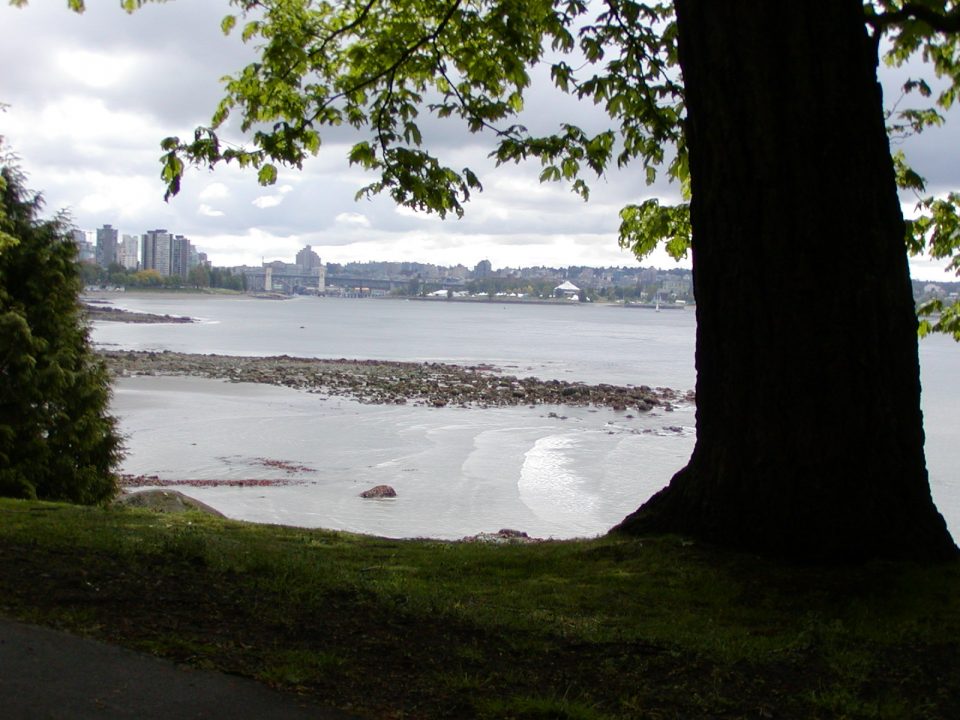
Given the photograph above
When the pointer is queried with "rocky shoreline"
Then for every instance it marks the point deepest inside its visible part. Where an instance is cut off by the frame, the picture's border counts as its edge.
(99, 310)
(129, 482)
(391, 382)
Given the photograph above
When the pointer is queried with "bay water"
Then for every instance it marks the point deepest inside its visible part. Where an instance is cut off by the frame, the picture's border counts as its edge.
(550, 471)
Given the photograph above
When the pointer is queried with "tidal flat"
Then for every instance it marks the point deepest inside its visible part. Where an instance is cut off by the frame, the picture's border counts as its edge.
(394, 382)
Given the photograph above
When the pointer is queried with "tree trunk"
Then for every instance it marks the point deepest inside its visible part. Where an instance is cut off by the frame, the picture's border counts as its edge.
(809, 430)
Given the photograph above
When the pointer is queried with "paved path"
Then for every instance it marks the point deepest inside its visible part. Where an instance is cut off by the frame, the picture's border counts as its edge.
(47, 674)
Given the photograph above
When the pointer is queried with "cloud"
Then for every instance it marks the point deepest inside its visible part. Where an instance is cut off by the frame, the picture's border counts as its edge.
(214, 191)
(268, 201)
(418, 215)
(208, 211)
(96, 69)
(352, 219)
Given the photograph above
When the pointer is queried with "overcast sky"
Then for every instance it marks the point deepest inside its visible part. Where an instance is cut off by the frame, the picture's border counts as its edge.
(91, 97)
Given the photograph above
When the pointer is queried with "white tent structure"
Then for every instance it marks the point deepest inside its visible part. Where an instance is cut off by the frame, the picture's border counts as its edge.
(567, 289)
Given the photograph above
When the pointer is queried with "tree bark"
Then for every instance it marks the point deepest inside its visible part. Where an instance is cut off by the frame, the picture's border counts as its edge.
(809, 430)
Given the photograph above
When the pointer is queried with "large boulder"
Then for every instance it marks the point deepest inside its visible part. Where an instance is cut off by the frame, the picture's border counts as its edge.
(168, 501)
(379, 491)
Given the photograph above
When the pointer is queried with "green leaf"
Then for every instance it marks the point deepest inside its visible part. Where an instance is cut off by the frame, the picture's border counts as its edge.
(267, 174)
(643, 227)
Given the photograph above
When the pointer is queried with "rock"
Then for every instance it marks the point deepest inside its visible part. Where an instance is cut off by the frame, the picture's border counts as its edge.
(379, 491)
(168, 501)
(505, 536)
(508, 533)
(369, 381)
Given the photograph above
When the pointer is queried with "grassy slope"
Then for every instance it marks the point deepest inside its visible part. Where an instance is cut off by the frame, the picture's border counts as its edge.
(608, 628)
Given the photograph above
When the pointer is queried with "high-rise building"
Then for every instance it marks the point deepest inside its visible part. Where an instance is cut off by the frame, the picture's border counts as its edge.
(129, 255)
(107, 245)
(86, 252)
(156, 251)
(482, 270)
(179, 257)
(308, 259)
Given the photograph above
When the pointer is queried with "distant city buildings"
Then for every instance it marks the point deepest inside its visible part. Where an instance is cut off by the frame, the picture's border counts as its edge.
(168, 254)
(483, 269)
(129, 254)
(158, 250)
(173, 256)
(308, 259)
(305, 276)
(86, 250)
(107, 246)
(180, 256)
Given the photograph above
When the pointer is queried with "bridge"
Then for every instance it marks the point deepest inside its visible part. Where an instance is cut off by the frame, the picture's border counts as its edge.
(353, 281)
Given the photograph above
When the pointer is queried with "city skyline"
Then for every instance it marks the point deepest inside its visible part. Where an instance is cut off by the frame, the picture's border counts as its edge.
(94, 95)
(91, 238)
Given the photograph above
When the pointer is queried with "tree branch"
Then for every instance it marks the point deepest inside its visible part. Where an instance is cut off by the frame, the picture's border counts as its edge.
(356, 22)
(393, 67)
(939, 22)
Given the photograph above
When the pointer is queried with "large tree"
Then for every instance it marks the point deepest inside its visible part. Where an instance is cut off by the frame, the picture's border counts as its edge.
(809, 433)
(57, 440)
(810, 436)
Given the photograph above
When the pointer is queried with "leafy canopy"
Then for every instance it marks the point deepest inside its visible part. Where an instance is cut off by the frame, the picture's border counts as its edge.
(380, 66)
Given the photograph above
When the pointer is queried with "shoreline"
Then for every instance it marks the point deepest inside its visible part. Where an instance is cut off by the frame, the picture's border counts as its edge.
(96, 309)
(395, 382)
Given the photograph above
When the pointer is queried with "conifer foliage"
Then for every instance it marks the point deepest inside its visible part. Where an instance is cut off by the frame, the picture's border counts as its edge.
(57, 441)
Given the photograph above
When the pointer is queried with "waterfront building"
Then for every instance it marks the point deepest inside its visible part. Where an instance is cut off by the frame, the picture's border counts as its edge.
(156, 251)
(107, 246)
(179, 257)
(567, 290)
(129, 253)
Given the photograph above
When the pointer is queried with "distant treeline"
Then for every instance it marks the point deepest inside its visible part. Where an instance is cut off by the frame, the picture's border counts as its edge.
(199, 277)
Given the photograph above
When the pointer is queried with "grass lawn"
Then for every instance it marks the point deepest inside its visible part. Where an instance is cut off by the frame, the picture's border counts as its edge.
(608, 628)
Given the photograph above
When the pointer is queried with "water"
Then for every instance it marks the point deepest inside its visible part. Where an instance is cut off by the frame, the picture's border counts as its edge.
(456, 471)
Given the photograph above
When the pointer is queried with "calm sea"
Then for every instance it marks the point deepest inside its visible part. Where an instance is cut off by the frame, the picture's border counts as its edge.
(456, 471)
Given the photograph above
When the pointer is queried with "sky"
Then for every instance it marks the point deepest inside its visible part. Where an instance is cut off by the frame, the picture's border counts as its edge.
(91, 96)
